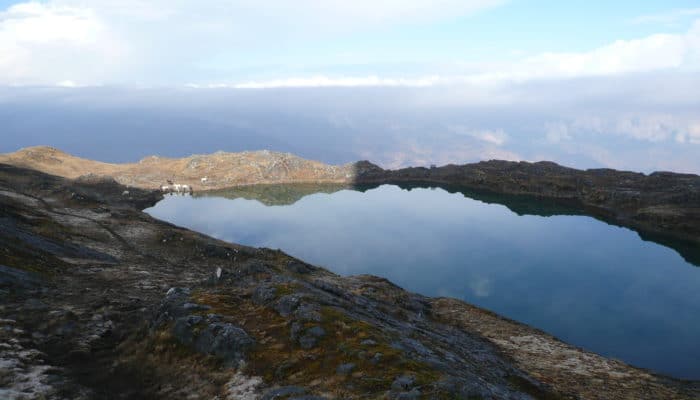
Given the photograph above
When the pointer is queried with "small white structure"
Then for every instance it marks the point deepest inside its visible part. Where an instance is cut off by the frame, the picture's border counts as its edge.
(125, 193)
(176, 188)
(204, 180)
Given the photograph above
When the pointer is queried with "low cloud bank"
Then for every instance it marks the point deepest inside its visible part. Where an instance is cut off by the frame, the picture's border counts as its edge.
(643, 122)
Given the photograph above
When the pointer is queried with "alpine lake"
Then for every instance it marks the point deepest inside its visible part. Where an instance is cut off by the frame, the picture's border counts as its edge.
(598, 286)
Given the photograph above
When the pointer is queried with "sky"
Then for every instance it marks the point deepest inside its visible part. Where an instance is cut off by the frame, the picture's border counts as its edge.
(583, 83)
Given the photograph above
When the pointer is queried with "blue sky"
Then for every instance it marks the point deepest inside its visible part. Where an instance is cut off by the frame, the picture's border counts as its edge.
(502, 31)
(400, 82)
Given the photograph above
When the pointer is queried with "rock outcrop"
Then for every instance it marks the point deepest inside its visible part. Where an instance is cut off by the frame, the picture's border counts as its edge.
(100, 300)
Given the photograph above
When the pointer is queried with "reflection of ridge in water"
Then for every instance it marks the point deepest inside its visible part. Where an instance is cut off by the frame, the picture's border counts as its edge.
(288, 194)
(276, 194)
(538, 261)
(547, 207)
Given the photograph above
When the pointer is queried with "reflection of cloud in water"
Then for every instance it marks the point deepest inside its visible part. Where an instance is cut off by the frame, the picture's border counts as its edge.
(573, 276)
(481, 286)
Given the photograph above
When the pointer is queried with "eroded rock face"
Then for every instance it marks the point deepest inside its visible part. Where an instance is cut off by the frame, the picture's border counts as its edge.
(205, 334)
(264, 294)
(309, 339)
(224, 340)
(101, 301)
(287, 304)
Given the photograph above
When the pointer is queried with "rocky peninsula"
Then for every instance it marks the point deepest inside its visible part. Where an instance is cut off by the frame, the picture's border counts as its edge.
(100, 300)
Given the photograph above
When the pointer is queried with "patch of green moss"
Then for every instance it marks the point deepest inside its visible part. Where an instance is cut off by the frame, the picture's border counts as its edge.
(162, 345)
(49, 228)
(35, 262)
(278, 358)
(285, 289)
(376, 377)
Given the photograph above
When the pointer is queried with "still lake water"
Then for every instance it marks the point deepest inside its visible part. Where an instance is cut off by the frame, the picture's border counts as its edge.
(588, 283)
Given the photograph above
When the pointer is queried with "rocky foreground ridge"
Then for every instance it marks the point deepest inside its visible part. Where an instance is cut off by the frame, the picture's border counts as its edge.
(98, 300)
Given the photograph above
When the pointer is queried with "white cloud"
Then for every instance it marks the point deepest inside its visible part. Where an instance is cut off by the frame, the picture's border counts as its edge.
(162, 41)
(654, 52)
(668, 17)
(690, 134)
(557, 132)
(653, 127)
(325, 81)
(47, 43)
(496, 137)
(36, 23)
(67, 84)
(694, 135)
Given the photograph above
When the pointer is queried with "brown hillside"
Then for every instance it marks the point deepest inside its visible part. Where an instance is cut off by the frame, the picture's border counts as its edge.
(221, 169)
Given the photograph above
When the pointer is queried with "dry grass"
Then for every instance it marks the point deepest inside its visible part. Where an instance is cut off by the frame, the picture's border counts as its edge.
(277, 358)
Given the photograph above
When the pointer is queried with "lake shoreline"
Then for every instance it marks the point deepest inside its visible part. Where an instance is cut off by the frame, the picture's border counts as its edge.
(662, 204)
(688, 246)
(86, 246)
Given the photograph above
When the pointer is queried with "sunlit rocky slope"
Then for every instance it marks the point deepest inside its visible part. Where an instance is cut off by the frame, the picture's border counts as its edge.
(220, 169)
